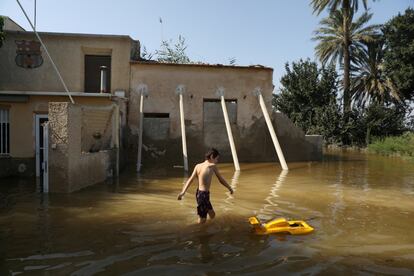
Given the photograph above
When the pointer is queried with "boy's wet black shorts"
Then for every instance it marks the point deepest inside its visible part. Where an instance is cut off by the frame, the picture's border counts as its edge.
(203, 203)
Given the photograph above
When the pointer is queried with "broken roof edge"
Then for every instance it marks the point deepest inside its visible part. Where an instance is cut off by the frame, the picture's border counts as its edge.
(13, 22)
(73, 34)
(258, 66)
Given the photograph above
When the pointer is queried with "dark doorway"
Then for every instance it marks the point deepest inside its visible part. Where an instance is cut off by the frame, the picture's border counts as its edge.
(214, 127)
(40, 120)
(93, 72)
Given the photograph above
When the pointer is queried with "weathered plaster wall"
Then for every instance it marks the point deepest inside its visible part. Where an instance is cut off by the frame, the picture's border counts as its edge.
(97, 128)
(10, 25)
(253, 142)
(70, 169)
(201, 83)
(68, 52)
(22, 122)
(295, 144)
(21, 160)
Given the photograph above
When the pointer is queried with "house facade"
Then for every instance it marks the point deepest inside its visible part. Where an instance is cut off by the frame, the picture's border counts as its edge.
(103, 70)
(28, 83)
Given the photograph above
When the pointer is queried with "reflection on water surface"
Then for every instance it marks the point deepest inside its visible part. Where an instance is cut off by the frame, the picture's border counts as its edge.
(361, 206)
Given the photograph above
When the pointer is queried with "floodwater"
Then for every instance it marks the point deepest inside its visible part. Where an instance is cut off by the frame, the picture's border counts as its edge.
(361, 206)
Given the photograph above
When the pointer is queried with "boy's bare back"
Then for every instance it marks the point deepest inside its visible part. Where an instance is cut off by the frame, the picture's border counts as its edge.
(205, 173)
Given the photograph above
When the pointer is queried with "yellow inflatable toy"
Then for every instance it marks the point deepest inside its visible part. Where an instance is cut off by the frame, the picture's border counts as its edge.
(280, 225)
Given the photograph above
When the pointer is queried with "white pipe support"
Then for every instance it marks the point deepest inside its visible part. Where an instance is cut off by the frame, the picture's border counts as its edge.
(220, 91)
(118, 132)
(276, 144)
(143, 91)
(180, 91)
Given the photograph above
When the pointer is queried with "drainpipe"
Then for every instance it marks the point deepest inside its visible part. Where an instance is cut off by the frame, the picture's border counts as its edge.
(220, 92)
(258, 92)
(45, 163)
(143, 91)
(180, 91)
(117, 143)
(104, 76)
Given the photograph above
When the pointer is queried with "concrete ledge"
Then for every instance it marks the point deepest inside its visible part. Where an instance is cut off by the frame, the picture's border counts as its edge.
(54, 93)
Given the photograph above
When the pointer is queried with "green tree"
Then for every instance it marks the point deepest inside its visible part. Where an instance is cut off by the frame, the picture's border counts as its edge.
(370, 83)
(173, 53)
(2, 35)
(145, 55)
(399, 55)
(340, 40)
(375, 120)
(308, 98)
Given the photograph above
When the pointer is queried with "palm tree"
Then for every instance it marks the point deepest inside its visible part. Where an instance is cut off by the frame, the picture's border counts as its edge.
(370, 83)
(341, 43)
(333, 5)
(347, 8)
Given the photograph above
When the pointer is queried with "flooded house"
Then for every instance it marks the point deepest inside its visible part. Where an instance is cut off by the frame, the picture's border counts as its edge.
(89, 140)
(28, 86)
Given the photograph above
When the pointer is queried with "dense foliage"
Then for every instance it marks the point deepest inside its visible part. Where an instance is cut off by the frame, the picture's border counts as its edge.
(399, 57)
(169, 52)
(400, 145)
(376, 120)
(2, 35)
(309, 98)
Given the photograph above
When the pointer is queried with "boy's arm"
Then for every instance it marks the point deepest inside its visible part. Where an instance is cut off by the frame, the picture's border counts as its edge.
(222, 180)
(188, 183)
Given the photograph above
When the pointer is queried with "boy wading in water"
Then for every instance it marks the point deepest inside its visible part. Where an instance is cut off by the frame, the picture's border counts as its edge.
(204, 172)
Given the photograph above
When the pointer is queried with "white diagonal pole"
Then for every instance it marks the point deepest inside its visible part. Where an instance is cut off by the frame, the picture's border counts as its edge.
(220, 91)
(180, 91)
(47, 53)
(276, 144)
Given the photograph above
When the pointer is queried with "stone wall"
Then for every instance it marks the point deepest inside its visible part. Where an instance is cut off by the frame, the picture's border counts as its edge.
(70, 169)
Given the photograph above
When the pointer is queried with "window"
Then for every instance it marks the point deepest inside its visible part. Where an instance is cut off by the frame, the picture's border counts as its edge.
(213, 111)
(214, 127)
(157, 126)
(93, 65)
(4, 132)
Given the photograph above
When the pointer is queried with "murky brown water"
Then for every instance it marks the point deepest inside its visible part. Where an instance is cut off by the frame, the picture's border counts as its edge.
(361, 206)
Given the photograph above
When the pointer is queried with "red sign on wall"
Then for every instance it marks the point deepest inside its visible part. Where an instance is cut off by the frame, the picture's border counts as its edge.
(28, 54)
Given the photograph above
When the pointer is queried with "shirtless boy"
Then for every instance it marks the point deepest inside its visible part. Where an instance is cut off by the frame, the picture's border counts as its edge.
(204, 172)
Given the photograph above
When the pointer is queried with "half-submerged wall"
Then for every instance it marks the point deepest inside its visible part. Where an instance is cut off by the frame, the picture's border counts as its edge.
(70, 167)
(204, 119)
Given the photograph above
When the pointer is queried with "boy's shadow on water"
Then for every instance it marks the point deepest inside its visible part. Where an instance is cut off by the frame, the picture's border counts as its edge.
(206, 254)
(228, 238)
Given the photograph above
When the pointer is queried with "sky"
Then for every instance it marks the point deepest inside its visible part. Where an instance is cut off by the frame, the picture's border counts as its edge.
(266, 32)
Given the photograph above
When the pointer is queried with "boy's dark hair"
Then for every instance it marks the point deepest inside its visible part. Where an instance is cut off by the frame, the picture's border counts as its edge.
(211, 153)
